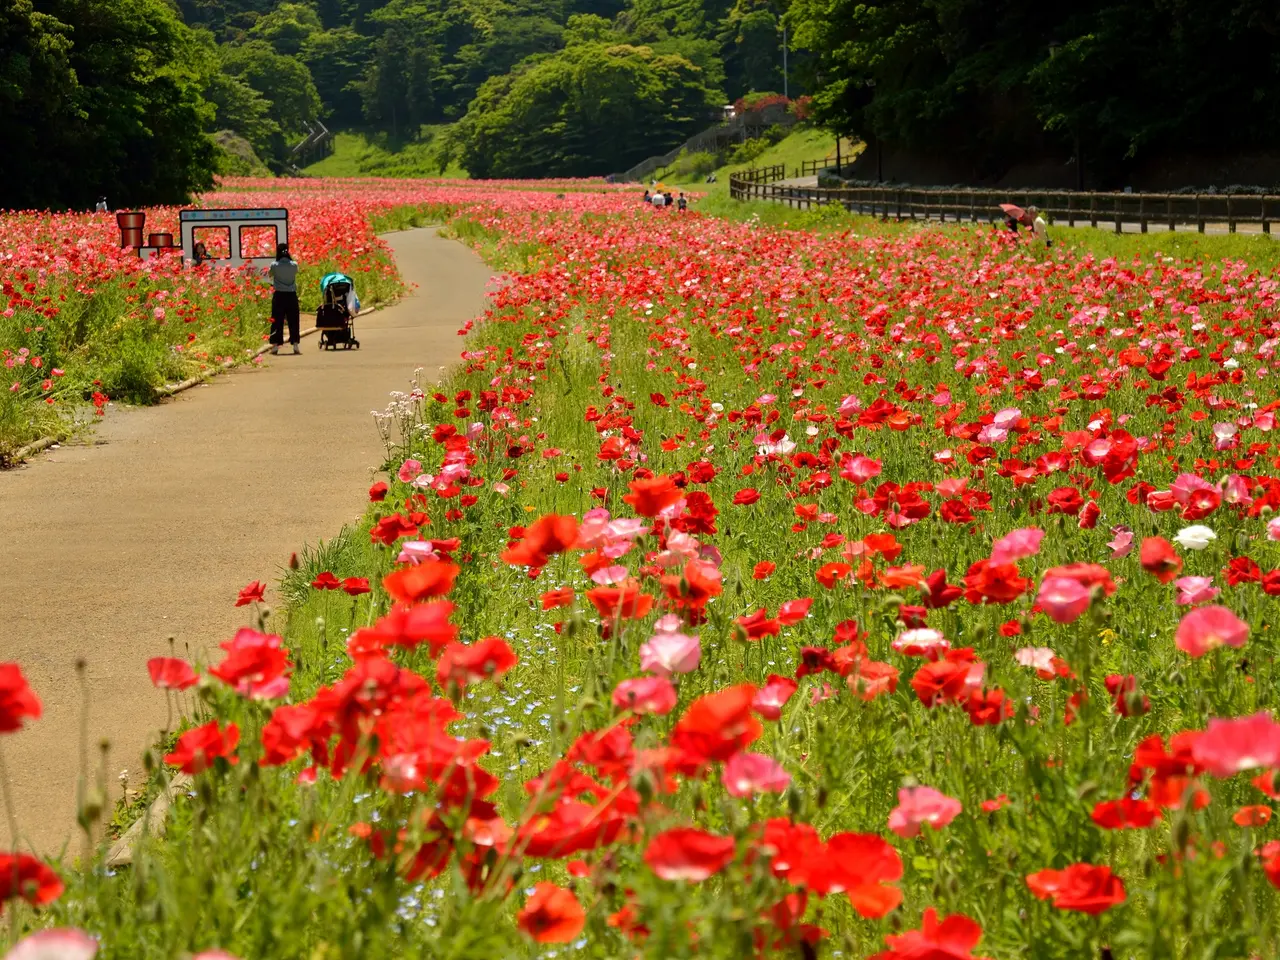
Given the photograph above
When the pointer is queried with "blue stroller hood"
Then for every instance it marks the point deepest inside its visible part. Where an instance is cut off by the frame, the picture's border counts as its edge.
(329, 278)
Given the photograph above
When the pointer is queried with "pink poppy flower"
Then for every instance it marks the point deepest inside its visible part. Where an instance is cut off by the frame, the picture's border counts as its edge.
(1205, 628)
(64, 943)
(645, 695)
(1063, 599)
(1121, 542)
(922, 805)
(749, 773)
(1017, 544)
(1244, 743)
(668, 653)
(409, 470)
(1193, 590)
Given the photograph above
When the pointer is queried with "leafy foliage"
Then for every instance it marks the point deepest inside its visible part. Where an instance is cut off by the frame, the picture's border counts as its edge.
(994, 80)
(99, 96)
(560, 115)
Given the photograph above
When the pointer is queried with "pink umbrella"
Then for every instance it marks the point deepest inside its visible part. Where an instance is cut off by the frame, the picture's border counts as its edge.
(1016, 212)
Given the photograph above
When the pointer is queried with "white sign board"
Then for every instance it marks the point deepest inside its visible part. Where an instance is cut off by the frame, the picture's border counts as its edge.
(234, 221)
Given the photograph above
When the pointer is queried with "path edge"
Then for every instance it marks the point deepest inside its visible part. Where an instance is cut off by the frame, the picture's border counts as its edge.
(172, 389)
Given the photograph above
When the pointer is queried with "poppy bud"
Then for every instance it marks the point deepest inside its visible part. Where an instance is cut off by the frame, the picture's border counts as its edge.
(293, 561)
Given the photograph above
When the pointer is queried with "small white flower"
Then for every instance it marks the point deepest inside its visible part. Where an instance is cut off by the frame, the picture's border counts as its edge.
(1195, 537)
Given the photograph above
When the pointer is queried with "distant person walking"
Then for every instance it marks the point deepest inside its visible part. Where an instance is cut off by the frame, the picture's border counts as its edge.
(682, 204)
(284, 300)
(101, 205)
(647, 197)
(659, 200)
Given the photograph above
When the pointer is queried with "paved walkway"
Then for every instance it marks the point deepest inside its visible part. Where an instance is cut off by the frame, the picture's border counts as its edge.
(150, 526)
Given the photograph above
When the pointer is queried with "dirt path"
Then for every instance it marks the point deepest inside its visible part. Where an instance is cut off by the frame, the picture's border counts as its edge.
(150, 527)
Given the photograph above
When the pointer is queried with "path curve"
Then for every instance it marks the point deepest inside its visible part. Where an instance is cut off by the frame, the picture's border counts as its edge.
(150, 526)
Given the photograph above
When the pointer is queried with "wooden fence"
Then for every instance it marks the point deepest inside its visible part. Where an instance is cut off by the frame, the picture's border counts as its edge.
(811, 168)
(1161, 209)
(758, 176)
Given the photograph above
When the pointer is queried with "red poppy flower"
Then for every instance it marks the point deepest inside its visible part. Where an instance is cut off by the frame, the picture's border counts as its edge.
(431, 578)
(326, 581)
(561, 597)
(542, 539)
(486, 659)
(988, 582)
(773, 696)
(251, 593)
(952, 939)
(942, 681)
(23, 876)
(17, 700)
(198, 748)
(1159, 559)
(624, 601)
(390, 529)
(861, 865)
(746, 497)
(378, 492)
(1252, 816)
(651, 496)
(552, 914)
(753, 626)
(763, 570)
(688, 854)
(1083, 887)
(408, 626)
(355, 586)
(793, 611)
(937, 592)
(171, 673)
(256, 665)
(1125, 813)
(829, 573)
(718, 725)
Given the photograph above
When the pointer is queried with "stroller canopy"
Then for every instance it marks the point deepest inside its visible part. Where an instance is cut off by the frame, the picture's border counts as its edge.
(329, 278)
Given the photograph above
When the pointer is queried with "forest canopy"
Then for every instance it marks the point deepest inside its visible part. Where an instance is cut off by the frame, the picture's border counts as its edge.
(1113, 81)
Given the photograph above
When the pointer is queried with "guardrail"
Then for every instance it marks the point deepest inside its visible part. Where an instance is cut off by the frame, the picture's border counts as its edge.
(1162, 209)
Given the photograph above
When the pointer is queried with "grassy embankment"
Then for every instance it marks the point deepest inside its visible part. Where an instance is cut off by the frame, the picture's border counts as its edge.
(356, 155)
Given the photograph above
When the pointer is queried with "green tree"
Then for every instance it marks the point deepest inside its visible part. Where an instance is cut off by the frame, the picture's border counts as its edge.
(284, 82)
(588, 109)
(287, 27)
(1111, 81)
(134, 121)
(399, 87)
(338, 60)
(37, 83)
(752, 45)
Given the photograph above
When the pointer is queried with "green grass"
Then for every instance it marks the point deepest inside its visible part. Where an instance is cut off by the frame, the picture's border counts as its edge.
(356, 155)
(808, 143)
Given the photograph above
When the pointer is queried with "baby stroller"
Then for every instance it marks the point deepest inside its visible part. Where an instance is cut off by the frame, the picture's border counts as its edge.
(336, 315)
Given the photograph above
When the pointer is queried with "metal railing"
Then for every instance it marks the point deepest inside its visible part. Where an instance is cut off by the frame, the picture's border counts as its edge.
(1168, 210)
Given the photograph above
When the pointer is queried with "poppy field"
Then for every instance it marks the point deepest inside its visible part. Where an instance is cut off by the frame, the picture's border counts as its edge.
(888, 591)
(84, 323)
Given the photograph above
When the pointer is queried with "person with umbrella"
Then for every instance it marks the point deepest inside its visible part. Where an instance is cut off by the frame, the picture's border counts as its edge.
(1014, 215)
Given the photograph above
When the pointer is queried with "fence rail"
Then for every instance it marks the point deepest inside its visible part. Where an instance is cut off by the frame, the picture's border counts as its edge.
(811, 168)
(759, 175)
(1169, 210)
